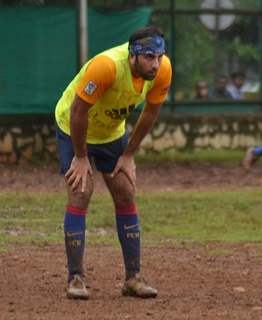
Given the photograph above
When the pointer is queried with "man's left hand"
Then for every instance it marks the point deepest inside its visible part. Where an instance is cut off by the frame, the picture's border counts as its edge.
(127, 165)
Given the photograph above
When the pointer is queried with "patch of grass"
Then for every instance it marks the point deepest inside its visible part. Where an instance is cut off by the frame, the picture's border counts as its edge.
(166, 217)
(6, 249)
(220, 252)
(206, 216)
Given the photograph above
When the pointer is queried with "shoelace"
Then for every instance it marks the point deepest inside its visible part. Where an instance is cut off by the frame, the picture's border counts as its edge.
(78, 282)
(141, 280)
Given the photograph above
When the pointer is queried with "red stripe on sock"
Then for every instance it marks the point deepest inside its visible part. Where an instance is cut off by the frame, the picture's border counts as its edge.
(124, 209)
(75, 210)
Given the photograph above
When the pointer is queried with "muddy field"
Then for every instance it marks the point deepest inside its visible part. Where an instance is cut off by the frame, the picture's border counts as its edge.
(189, 176)
(193, 284)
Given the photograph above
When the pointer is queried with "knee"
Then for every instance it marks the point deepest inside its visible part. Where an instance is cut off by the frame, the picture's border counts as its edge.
(79, 199)
(126, 198)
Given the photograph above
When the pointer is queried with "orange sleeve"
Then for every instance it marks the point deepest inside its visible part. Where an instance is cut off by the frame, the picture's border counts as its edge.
(98, 77)
(158, 93)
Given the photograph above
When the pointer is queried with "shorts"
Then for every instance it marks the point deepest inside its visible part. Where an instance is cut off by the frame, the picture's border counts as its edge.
(103, 155)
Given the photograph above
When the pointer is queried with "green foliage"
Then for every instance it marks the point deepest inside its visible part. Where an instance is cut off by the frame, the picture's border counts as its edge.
(244, 51)
(201, 54)
(247, 4)
(194, 54)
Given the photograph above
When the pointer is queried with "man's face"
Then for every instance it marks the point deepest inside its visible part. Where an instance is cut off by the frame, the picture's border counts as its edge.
(221, 84)
(147, 65)
(239, 81)
(202, 89)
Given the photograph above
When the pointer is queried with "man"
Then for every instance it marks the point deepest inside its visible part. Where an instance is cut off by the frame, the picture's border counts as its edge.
(90, 120)
(236, 88)
(201, 90)
(220, 92)
(251, 156)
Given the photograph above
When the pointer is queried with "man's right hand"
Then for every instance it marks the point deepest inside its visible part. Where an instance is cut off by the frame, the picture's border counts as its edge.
(77, 173)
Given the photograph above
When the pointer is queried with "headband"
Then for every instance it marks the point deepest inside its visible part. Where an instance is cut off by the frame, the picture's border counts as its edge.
(149, 45)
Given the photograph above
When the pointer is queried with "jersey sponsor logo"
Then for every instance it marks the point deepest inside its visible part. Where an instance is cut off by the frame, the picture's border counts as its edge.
(90, 87)
(99, 124)
(163, 91)
(119, 114)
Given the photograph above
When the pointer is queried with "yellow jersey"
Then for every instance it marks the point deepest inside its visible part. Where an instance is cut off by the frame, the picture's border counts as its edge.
(107, 83)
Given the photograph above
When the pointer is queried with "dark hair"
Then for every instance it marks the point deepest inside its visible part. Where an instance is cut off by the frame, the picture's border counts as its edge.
(221, 76)
(144, 33)
(201, 83)
(237, 74)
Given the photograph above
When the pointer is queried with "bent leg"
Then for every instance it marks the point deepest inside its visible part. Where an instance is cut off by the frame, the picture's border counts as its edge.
(257, 151)
(74, 228)
(127, 222)
(251, 156)
(74, 221)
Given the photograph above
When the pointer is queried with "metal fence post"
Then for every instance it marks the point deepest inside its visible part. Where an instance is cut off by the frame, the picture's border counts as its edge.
(259, 4)
(82, 32)
(172, 50)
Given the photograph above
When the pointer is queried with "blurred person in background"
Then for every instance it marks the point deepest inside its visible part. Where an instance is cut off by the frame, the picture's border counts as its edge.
(236, 87)
(251, 156)
(220, 92)
(201, 90)
(90, 119)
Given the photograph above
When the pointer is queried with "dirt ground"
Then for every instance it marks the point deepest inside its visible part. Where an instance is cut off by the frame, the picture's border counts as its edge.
(189, 176)
(192, 282)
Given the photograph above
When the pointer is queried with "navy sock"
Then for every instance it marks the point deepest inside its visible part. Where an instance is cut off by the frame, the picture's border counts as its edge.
(129, 237)
(74, 228)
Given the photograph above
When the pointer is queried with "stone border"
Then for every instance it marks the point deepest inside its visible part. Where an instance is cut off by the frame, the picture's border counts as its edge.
(24, 138)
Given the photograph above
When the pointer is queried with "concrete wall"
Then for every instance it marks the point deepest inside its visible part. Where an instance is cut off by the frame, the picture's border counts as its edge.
(205, 131)
(22, 139)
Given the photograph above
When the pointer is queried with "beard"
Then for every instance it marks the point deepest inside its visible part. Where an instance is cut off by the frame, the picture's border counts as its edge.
(149, 75)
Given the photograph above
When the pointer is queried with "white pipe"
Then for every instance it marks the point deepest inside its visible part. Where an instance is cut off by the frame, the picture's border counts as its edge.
(82, 32)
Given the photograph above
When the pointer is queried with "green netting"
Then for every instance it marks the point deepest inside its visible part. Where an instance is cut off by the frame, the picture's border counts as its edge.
(38, 54)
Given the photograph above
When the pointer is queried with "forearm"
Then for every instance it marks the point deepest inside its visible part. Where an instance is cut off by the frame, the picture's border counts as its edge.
(78, 128)
(142, 128)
